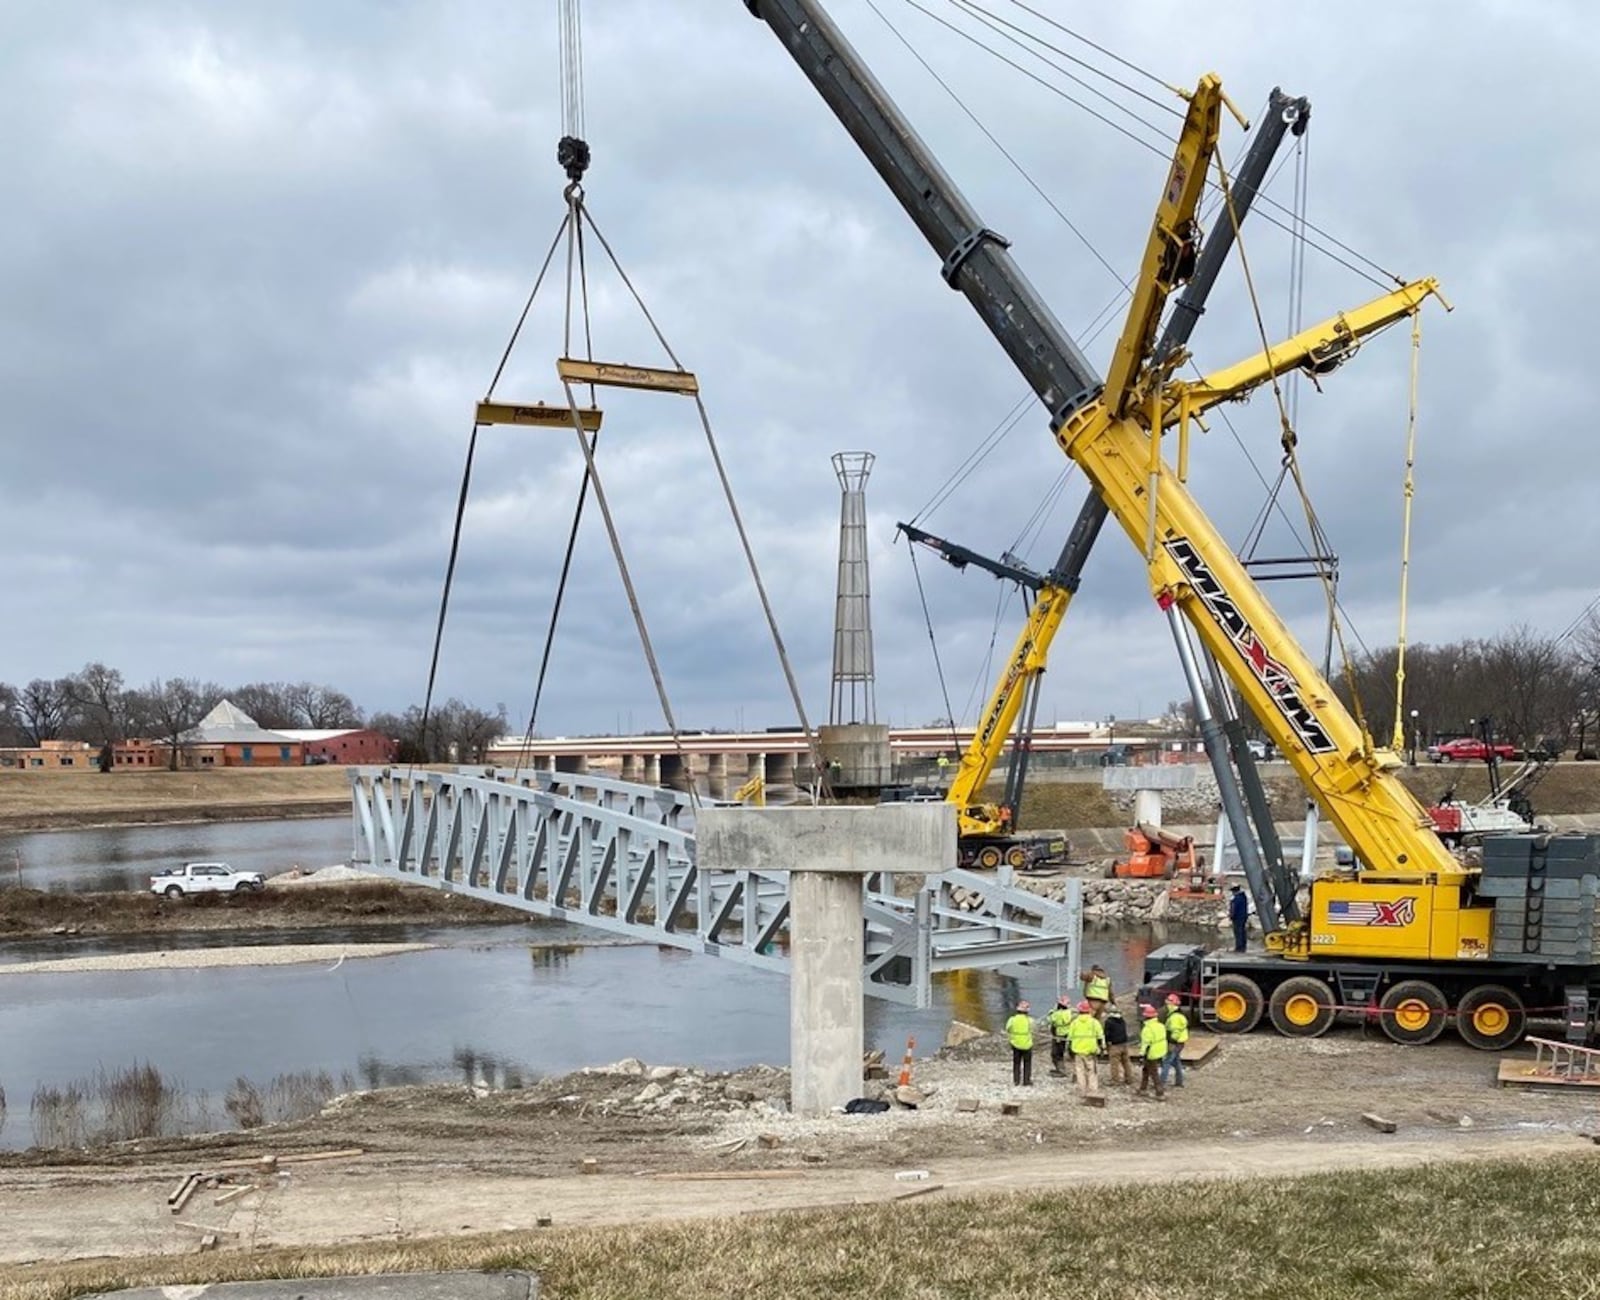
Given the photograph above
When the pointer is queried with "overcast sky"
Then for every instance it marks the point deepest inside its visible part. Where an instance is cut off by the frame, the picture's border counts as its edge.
(259, 259)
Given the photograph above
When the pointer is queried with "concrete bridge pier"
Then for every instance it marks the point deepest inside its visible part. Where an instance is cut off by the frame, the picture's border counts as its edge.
(650, 769)
(829, 852)
(574, 763)
(630, 767)
(755, 765)
(717, 776)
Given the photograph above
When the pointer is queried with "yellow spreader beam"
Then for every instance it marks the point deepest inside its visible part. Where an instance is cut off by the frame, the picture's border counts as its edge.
(538, 415)
(618, 376)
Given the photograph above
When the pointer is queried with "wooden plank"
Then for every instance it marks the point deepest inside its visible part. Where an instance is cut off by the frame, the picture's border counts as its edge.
(305, 1158)
(190, 1188)
(613, 375)
(236, 1193)
(1378, 1122)
(1200, 1048)
(728, 1175)
(206, 1227)
(537, 415)
(929, 1190)
(177, 1193)
(1521, 1072)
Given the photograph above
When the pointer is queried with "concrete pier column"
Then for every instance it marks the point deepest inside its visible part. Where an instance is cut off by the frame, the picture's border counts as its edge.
(630, 767)
(717, 776)
(829, 852)
(1147, 807)
(651, 774)
(780, 769)
(755, 765)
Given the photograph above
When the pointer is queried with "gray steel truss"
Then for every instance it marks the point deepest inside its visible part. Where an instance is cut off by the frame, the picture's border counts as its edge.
(620, 857)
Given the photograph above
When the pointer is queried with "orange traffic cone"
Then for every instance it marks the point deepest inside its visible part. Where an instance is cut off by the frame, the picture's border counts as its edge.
(905, 1065)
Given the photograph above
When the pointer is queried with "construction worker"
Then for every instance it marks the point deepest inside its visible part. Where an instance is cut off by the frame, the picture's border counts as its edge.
(1019, 1029)
(1059, 1018)
(1096, 988)
(1117, 1046)
(1087, 1039)
(1177, 1026)
(1152, 1051)
(1239, 915)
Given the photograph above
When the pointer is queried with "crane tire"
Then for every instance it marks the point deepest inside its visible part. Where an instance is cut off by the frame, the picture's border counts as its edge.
(1017, 856)
(1302, 1007)
(989, 857)
(1414, 1012)
(1491, 1018)
(1237, 1004)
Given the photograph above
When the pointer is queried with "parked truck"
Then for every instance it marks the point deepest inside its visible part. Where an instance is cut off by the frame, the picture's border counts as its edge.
(206, 878)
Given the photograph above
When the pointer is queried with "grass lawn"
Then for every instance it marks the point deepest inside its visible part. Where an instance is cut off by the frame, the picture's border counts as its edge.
(79, 796)
(1508, 1230)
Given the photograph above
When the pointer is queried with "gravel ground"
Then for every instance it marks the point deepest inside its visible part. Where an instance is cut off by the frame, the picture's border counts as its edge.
(285, 954)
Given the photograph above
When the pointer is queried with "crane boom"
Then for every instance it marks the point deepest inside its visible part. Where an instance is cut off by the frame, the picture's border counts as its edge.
(1190, 565)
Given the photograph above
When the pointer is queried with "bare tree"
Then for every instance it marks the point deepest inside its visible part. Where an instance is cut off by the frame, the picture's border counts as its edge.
(10, 720)
(176, 707)
(268, 703)
(45, 709)
(321, 706)
(102, 703)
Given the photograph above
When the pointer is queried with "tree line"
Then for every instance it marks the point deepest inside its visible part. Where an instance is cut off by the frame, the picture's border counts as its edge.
(97, 706)
(1537, 692)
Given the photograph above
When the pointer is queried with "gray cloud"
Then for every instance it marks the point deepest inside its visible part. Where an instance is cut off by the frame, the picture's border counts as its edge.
(258, 260)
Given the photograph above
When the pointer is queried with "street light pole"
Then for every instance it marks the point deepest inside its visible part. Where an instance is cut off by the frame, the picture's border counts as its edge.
(1416, 737)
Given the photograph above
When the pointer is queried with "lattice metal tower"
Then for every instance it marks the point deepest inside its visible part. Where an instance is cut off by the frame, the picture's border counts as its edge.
(853, 694)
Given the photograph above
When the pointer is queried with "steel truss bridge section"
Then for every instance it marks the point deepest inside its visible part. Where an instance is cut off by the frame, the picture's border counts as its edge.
(620, 857)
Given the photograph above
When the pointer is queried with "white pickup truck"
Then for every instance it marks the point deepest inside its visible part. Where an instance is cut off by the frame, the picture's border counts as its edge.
(206, 878)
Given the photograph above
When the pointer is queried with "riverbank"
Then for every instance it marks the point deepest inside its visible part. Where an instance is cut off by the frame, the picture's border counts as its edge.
(669, 1143)
(34, 913)
(62, 800)
(277, 954)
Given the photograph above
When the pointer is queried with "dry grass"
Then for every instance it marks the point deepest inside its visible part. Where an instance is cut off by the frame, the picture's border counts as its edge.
(1493, 1231)
(77, 798)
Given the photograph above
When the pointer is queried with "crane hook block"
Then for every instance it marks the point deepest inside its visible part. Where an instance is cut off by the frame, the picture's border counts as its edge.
(573, 155)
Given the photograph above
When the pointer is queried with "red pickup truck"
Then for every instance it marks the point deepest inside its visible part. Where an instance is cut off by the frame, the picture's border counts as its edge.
(1469, 749)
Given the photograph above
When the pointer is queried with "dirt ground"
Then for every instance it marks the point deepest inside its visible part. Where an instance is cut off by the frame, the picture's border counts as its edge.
(444, 1160)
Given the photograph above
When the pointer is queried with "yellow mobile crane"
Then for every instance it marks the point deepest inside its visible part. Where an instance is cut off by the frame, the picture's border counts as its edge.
(1408, 935)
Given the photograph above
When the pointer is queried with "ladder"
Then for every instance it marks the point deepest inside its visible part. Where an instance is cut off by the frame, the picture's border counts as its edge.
(1564, 1062)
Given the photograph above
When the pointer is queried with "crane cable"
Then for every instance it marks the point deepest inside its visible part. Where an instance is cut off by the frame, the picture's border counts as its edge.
(1399, 738)
(1291, 463)
(938, 664)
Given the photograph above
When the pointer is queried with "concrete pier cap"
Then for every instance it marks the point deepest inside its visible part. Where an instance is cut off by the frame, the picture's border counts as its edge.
(829, 852)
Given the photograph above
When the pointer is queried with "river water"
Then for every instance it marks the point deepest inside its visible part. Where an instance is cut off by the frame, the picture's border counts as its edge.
(493, 1004)
(125, 857)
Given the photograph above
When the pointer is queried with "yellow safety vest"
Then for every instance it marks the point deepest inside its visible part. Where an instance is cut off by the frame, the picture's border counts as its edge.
(1153, 1039)
(1086, 1035)
(1098, 989)
(1178, 1027)
(1019, 1029)
(1059, 1020)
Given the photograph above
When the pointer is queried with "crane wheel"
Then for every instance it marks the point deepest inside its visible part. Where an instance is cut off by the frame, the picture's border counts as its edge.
(989, 857)
(1414, 1011)
(1237, 1005)
(1017, 857)
(1302, 1007)
(1491, 1018)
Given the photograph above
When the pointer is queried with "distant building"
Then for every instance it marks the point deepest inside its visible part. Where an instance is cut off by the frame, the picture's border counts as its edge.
(50, 756)
(230, 737)
(345, 745)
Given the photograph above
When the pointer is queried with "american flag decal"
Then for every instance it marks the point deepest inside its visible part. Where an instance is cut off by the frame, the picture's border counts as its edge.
(1401, 912)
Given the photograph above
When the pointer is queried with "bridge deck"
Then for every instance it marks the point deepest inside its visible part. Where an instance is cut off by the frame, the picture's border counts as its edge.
(620, 858)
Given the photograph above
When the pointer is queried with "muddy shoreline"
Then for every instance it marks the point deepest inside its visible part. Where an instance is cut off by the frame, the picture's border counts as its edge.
(35, 913)
(198, 815)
